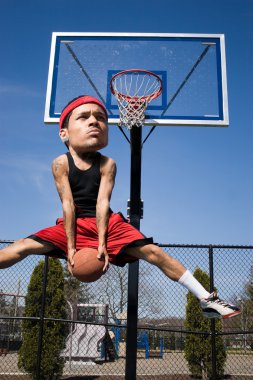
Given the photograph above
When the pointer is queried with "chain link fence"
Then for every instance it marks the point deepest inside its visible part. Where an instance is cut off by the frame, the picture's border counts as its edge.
(95, 323)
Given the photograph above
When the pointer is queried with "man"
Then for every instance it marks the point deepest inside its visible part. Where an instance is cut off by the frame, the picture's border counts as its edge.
(85, 179)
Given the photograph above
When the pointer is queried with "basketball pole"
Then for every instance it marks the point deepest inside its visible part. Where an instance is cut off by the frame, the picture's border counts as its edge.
(133, 271)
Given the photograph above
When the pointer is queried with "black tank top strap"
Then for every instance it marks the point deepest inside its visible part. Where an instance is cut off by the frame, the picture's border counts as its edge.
(97, 159)
(70, 160)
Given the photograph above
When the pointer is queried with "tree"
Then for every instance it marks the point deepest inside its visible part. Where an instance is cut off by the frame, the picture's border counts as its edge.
(197, 349)
(247, 298)
(54, 332)
(115, 292)
(3, 303)
(4, 311)
(76, 291)
(246, 305)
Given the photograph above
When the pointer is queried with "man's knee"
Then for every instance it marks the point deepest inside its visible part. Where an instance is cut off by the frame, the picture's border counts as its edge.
(150, 252)
(19, 251)
(28, 246)
(156, 254)
(22, 243)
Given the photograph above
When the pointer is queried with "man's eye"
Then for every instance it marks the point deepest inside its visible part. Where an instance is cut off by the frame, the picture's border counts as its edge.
(101, 117)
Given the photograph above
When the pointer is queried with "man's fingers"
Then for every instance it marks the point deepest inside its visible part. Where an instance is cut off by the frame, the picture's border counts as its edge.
(103, 256)
(105, 268)
(72, 262)
(71, 259)
(70, 268)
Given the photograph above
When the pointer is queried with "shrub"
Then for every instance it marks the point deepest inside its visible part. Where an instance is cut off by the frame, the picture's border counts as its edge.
(54, 332)
(197, 349)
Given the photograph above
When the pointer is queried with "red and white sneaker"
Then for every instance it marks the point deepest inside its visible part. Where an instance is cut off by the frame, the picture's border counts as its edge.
(213, 307)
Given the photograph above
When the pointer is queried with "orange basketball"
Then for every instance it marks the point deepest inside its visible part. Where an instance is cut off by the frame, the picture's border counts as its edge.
(87, 267)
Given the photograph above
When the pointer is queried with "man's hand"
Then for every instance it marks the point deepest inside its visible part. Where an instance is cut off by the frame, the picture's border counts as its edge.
(103, 255)
(71, 254)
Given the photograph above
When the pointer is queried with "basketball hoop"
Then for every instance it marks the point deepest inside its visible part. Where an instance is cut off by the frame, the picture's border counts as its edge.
(134, 89)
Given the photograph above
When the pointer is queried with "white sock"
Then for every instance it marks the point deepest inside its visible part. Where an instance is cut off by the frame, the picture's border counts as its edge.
(190, 282)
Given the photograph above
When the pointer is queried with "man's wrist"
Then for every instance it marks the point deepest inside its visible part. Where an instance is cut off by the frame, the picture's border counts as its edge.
(72, 250)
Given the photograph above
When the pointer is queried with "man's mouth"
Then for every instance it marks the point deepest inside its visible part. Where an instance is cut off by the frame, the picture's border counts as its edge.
(94, 131)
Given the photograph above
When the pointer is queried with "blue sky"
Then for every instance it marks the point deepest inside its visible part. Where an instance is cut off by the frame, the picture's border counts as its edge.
(197, 183)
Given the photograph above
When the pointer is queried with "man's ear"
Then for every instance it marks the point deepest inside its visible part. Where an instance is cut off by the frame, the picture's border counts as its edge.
(64, 135)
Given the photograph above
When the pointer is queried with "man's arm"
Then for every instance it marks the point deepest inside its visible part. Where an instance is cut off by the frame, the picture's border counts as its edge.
(108, 174)
(60, 172)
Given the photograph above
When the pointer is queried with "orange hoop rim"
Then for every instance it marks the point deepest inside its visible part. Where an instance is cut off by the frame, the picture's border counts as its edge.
(144, 97)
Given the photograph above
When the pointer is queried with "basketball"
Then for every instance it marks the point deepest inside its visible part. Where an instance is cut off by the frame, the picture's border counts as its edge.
(87, 267)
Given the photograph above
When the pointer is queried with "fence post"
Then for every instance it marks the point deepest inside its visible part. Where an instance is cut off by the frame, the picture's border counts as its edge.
(42, 315)
(213, 330)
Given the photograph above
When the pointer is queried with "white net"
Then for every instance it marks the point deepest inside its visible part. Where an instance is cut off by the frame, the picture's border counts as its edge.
(134, 90)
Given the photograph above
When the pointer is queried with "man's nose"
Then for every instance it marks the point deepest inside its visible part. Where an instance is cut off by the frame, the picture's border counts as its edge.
(93, 120)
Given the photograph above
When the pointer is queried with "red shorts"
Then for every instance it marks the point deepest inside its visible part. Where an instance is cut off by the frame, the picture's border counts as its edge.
(121, 235)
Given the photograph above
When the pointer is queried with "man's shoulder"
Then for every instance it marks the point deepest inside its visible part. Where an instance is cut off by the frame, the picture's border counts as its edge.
(61, 158)
(60, 163)
(105, 160)
(108, 166)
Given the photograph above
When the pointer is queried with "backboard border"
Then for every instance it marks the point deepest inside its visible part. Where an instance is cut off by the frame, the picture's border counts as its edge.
(159, 122)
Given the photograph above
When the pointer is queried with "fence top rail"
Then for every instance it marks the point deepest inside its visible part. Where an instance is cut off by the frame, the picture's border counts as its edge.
(170, 245)
(207, 246)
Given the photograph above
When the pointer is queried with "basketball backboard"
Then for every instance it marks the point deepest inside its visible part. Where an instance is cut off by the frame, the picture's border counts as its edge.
(192, 68)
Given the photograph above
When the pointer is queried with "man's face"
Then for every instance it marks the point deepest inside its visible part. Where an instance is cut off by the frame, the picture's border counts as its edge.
(87, 129)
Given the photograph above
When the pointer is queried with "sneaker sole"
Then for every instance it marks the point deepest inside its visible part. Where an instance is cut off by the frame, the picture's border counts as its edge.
(219, 316)
(232, 314)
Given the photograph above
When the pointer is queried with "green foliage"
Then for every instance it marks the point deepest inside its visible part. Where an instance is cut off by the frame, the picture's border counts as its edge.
(245, 301)
(249, 286)
(197, 349)
(54, 332)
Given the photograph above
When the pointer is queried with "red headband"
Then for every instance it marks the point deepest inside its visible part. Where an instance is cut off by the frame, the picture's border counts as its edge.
(78, 102)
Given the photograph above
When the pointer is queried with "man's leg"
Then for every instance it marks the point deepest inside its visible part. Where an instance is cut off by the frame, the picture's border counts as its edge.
(20, 250)
(171, 267)
(212, 306)
(156, 256)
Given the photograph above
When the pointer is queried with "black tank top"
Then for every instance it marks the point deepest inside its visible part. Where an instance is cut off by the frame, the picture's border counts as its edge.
(85, 186)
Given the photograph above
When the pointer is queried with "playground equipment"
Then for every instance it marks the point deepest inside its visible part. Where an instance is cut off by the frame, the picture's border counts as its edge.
(143, 341)
(87, 341)
(10, 333)
(83, 342)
